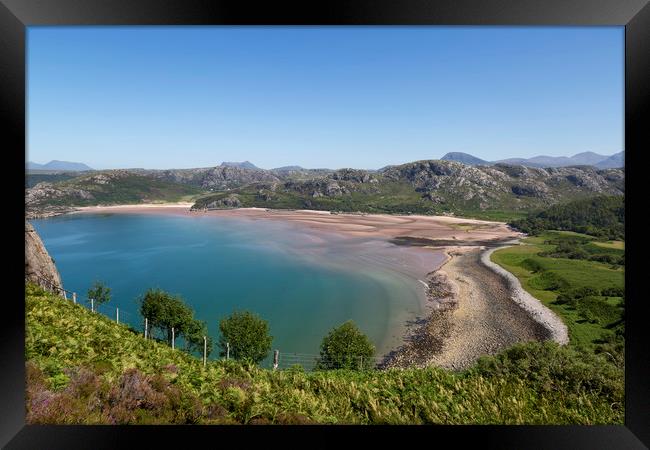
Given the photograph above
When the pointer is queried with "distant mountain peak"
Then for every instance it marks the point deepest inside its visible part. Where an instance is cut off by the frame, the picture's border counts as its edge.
(615, 161)
(241, 165)
(579, 159)
(55, 164)
(464, 158)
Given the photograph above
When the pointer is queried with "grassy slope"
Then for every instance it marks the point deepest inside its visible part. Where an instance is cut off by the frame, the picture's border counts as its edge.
(32, 179)
(618, 245)
(577, 273)
(533, 383)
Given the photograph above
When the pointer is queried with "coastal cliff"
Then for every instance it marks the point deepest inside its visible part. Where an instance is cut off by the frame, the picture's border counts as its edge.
(39, 265)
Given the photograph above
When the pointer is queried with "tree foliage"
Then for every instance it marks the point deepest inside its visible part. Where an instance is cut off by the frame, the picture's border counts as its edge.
(346, 347)
(602, 216)
(100, 293)
(165, 311)
(247, 334)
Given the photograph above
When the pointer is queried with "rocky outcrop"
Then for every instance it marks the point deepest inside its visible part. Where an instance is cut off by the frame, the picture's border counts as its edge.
(324, 187)
(39, 266)
(220, 177)
(357, 176)
(231, 201)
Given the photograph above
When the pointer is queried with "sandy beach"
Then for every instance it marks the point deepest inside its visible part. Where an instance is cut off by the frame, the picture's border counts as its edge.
(359, 225)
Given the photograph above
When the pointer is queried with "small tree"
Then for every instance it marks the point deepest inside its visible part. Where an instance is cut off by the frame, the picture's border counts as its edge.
(165, 311)
(346, 347)
(99, 293)
(194, 337)
(247, 334)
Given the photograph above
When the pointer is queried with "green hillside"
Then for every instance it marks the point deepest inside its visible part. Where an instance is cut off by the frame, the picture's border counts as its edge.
(601, 216)
(586, 292)
(108, 188)
(84, 368)
(32, 179)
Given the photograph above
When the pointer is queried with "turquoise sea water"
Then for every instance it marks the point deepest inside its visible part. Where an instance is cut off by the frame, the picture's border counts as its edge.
(302, 283)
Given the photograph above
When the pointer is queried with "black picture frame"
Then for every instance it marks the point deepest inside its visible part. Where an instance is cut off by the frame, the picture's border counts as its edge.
(16, 15)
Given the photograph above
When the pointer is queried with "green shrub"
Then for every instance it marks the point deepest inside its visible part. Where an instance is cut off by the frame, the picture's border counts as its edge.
(548, 281)
(532, 265)
(346, 347)
(248, 336)
(553, 367)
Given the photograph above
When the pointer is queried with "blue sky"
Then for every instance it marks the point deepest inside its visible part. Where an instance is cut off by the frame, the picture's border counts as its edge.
(363, 97)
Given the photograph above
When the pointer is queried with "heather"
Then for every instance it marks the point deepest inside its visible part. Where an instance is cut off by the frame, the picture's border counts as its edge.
(83, 368)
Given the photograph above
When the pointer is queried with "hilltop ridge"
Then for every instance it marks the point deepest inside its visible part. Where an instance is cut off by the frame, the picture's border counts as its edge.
(424, 187)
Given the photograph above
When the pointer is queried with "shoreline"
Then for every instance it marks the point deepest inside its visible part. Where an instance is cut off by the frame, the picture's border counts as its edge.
(458, 324)
(537, 310)
(477, 315)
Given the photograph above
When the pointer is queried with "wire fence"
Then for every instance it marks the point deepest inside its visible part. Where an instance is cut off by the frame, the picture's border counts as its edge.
(278, 361)
(310, 362)
(120, 315)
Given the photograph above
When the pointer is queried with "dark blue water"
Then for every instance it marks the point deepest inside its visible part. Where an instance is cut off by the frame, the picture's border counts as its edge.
(303, 287)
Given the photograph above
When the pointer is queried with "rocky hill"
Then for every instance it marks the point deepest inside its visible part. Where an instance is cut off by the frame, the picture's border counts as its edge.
(213, 178)
(425, 187)
(109, 187)
(429, 187)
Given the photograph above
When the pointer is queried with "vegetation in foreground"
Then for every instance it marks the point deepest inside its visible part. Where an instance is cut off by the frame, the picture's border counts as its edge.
(84, 368)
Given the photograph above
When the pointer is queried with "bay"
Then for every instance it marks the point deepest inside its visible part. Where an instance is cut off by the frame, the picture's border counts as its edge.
(303, 283)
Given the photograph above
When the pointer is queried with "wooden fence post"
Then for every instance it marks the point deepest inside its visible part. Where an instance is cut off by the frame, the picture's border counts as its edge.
(92, 305)
(276, 354)
(205, 349)
(65, 294)
(117, 315)
(227, 351)
(145, 327)
(74, 298)
(173, 338)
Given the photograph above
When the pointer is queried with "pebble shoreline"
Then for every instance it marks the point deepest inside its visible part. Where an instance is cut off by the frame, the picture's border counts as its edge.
(543, 315)
(476, 308)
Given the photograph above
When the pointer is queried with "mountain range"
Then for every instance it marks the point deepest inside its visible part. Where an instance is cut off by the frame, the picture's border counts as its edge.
(59, 165)
(616, 160)
(599, 161)
(423, 187)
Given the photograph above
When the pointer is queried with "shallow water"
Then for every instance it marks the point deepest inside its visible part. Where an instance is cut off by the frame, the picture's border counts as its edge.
(303, 282)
